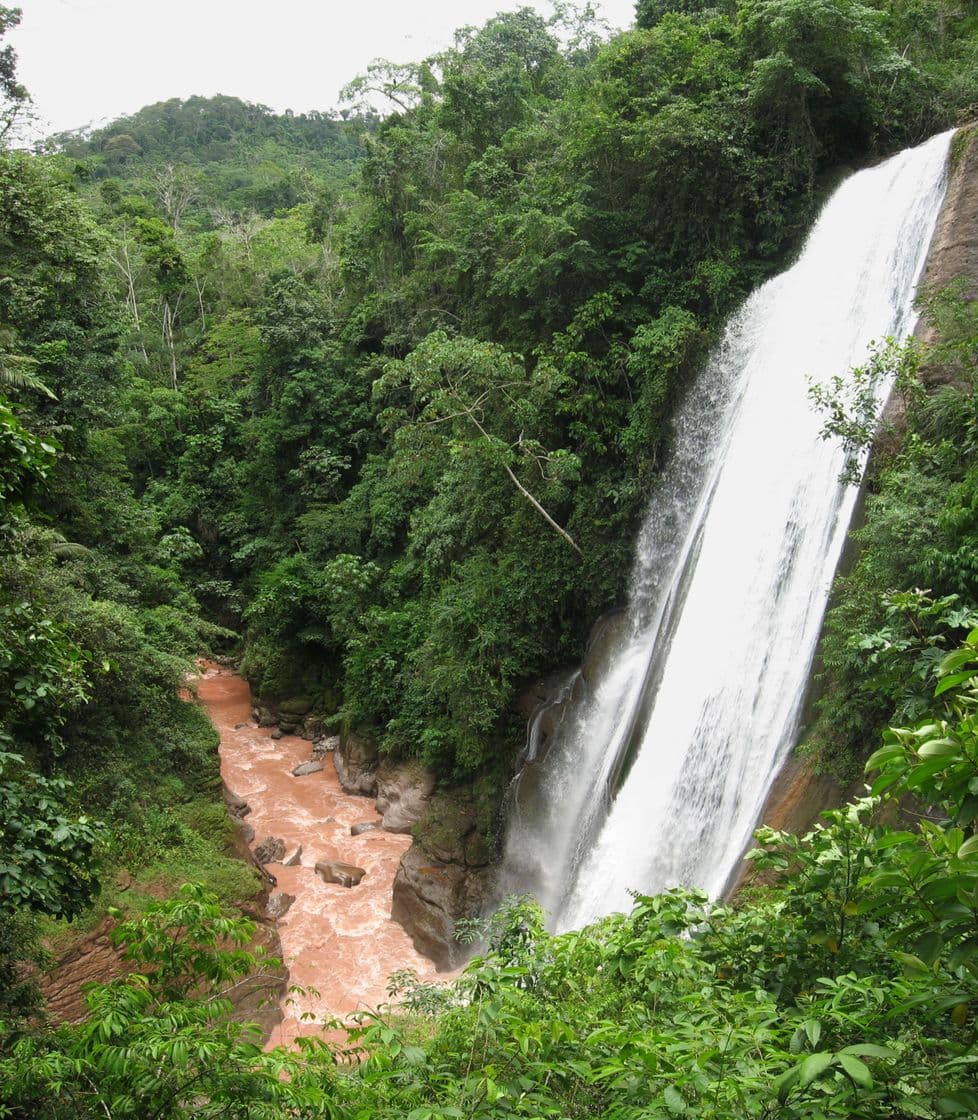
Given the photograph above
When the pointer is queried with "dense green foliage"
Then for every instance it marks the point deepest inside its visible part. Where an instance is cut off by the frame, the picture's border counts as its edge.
(846, 991)
(401, 425)
(386, 398)
(152, 1045)
(914, 588)
(97, 629)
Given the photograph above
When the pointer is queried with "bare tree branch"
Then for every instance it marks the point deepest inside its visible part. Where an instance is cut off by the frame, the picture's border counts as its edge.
(529, 497)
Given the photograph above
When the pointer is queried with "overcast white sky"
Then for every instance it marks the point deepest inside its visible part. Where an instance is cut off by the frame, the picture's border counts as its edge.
(90, 60)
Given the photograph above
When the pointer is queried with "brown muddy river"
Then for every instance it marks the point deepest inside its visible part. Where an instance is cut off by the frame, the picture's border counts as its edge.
(337, 942)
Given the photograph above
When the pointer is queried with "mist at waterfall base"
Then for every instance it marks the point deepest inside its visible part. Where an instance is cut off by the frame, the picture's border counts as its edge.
(657, 772)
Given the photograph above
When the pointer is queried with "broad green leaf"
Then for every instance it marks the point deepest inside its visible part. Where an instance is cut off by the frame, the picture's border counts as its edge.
(936, 889)
(955, 659)
(925, 771)
(912, 965)
(884, 782)
(786, 1081)
(857, 1070)
(674, 1100)
(950, 1105)
(888, 879)
(884, 754)
(939, 748)
(868, 1050)
(965, 952)
(929, 947)
(813, 1066)
(952, 681)
(968, 848)
(967, 1097)
(968, 811)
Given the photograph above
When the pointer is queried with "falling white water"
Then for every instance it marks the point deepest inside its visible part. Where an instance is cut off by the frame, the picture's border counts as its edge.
(702, 690)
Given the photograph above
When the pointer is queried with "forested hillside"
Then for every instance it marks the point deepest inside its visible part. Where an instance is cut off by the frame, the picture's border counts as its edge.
(408, 425)
(376, 402)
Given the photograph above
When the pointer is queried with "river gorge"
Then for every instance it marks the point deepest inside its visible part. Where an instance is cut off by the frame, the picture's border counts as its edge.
(338, 943)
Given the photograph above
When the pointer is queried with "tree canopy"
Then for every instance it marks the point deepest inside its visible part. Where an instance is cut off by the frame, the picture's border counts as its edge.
(376, 402)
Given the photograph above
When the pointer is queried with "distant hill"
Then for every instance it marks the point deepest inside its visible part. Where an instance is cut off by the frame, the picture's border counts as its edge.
(246, 155)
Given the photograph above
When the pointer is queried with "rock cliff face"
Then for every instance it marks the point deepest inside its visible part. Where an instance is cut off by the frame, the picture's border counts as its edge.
(295, 717)
(402, 789)
(403, 793)
(356, 760)
(92, 957)
(953, 253)
(430, 895)
(444, 875)
(954, 249)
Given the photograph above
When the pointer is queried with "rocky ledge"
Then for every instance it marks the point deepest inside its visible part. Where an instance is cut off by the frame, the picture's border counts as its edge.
(445, 874)
(402, 790)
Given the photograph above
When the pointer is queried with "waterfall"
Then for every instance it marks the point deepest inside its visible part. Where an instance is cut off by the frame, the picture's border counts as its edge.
(657, 768)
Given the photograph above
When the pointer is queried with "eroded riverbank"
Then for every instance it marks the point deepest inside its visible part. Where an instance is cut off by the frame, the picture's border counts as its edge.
(338, 943)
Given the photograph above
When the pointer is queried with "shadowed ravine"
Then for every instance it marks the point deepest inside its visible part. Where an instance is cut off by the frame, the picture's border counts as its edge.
(339, 941)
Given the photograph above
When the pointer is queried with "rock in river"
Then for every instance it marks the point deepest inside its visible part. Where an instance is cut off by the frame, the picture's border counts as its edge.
(403, 793)
(312, 767)
(270, 850)
(237, 806)
(356, 759)
(331, 871)
(278, 904)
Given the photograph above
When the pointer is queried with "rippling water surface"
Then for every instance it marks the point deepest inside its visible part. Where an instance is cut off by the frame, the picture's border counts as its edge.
(338, 943)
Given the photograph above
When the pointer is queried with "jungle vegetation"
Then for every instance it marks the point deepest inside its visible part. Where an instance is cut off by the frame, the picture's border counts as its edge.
(376, 400)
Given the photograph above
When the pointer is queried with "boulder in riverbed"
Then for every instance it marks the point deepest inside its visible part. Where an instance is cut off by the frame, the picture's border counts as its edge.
(304, 768)
(237, 806)
(313, 726)
(364, 826)
(429, 896)
(294, 858)
(270, 850)
(446, 874)
(263, 717)
(345, 874)
(278, 904)
(295, 708)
